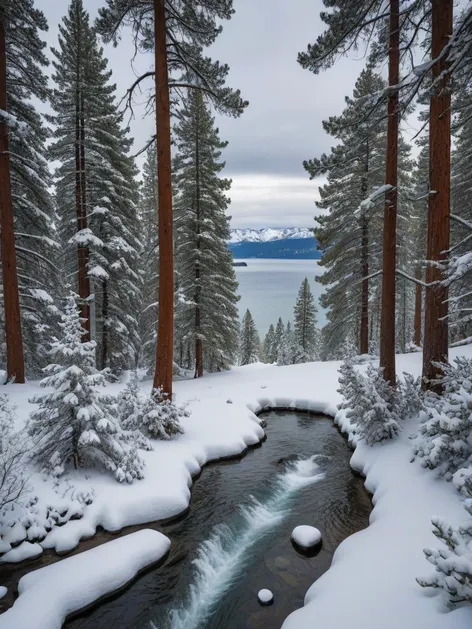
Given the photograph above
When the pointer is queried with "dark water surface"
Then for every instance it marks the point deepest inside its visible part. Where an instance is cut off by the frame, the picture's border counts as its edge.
(235, 539)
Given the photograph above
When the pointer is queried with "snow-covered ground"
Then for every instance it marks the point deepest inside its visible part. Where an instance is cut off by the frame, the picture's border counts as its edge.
(371, 583)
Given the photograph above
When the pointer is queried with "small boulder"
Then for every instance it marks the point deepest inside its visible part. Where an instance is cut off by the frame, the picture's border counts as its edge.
(306, 538)
(265, 597)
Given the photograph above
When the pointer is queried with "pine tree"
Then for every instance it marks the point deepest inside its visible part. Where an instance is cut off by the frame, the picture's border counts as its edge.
(30, 205)
(97, 191)
(288, 348)
(149, 260)
(206, 314)
(351, 241)
(75, 422)
(371, 403)
(268, 349)
(418, 229)
(142, 415)
(444, 443)
(305, 330)
(349, 24)
(249, 344)
(183, 28)
(453, 563)
(278, 338)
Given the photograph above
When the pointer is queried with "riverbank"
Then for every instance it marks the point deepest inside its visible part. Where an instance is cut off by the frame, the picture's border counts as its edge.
(373, 572)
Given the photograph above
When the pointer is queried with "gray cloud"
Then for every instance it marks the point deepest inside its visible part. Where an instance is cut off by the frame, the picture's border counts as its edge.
(282, 125)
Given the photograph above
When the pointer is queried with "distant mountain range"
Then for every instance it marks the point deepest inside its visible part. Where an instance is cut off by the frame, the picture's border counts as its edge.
(268, 234)
(294, 243)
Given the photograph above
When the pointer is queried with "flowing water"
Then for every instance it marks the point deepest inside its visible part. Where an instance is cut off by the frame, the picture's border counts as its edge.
(235, 540)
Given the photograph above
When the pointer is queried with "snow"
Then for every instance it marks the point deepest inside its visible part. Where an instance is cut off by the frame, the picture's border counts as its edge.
(265, 596)
(3, 591)
(268, 234)
(50, 594)
(373, 571)
(24, 551)
(306, 536)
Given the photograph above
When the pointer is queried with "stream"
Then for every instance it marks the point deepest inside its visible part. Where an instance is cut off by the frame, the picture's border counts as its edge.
(235, 539)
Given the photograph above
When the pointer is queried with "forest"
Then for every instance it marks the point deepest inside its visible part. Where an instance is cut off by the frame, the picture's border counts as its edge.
(119, 303)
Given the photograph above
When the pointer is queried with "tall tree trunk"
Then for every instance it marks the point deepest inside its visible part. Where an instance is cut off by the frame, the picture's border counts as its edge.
(104, 353)
(387, 323)
(83, 283)
(165, 329)
(11, 299)
(418, 310)
(198, 339)
(435, 344)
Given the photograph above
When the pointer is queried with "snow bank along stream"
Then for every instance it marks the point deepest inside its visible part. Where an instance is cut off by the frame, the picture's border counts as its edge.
(235, 540)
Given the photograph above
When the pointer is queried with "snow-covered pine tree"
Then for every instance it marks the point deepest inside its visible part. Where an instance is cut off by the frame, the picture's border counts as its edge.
(249, 343)
(142, 416)
(407, 242)
(304, 325)
(278, 337)
(288, 347)
(351, 241)
(459, 271)
(371, 404)
(418, 231)
(206, 312)
(76, 424)
(268, 346)
(453, 563)
(14, 448)
(35, 238)
(149, 260)
(445, 440)
(177, 31)
(96, 191)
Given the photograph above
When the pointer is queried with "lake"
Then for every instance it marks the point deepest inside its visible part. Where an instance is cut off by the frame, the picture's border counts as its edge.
(269, 289)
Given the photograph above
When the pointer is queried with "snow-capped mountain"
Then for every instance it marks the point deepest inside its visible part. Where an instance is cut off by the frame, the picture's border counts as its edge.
(269, 234)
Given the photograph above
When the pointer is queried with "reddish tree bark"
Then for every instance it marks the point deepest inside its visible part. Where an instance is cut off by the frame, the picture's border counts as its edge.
(11, 300)
(387, 323)
(418, 310)
(165, 330)
(435, 344)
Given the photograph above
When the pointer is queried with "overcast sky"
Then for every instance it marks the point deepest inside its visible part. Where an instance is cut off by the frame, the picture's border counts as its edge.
(282, 125)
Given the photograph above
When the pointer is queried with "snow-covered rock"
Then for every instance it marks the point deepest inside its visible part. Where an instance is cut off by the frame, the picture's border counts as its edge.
(306, 537)
(268, 234)
(25, 550)
(50, 594)
(3, 591)
(265, 597)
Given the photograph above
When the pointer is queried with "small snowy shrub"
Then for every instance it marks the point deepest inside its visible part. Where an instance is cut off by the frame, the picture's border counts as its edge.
(129, 403)
(410, 398)
(147, 414)
(13, 452)
(75, 423)
(445, 439)
(453, 563)
(371, 403)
